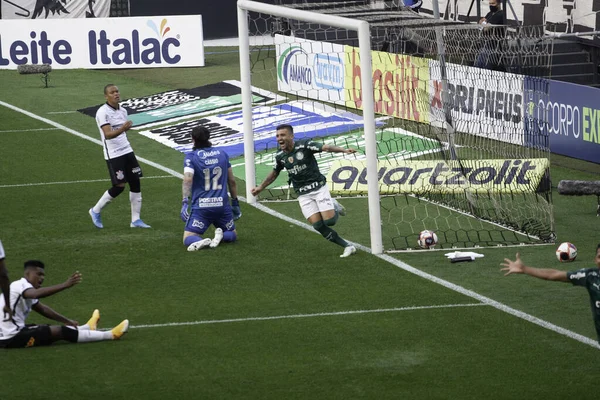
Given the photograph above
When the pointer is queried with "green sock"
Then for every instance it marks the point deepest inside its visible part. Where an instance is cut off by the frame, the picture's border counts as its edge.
(329, 234)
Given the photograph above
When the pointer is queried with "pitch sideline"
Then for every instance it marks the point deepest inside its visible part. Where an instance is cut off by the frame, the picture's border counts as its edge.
(400, 264)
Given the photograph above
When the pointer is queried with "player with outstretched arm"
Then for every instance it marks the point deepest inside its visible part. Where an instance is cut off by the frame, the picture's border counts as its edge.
(586, 277)
(24, 297)
(317, 205)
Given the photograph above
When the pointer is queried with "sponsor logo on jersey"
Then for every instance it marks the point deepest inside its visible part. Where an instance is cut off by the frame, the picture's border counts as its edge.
(204, 154)
(211, 161)
(578, 275)
(210, 202)
(296, 169)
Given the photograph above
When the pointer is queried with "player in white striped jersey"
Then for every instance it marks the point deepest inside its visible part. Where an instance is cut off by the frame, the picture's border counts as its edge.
(4, 285)
(122, 164)
(24, 297)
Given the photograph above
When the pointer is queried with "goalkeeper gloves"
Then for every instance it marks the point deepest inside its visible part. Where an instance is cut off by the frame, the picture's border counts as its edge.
(235, 208)
(185, 215)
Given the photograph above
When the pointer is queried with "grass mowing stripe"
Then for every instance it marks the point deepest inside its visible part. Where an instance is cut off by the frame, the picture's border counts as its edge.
(86, 137)
(393, 261)
(70, 182)
(451, 286)
(30, 130)
(293, 316)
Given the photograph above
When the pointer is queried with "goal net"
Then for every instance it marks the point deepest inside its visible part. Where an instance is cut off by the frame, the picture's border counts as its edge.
(460, 149)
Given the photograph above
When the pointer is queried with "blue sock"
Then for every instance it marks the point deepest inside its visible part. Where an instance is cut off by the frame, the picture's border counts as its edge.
(191, 239)
(229, 236)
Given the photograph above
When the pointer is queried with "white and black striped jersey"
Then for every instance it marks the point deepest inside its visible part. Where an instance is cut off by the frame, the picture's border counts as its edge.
(20, 306)
(115, 117)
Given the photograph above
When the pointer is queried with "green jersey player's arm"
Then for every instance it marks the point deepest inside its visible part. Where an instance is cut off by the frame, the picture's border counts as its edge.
(518, 267)
(268, 180)
(337, 149)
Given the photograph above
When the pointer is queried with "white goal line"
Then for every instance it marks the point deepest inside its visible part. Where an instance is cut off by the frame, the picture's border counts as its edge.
(296, 316)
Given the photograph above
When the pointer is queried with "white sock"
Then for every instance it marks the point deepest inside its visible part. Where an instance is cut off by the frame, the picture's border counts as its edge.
(104, 200)
(136, 205)
(93, 336)
(85, 327)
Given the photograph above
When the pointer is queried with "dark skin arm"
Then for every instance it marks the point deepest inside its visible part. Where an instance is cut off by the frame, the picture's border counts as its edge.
(5, 287)
(109, 133)
(518, 267)
(42, 292)
(49, 313)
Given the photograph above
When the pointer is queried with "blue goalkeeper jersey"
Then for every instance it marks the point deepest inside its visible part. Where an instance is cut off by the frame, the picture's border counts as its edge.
(210, 168)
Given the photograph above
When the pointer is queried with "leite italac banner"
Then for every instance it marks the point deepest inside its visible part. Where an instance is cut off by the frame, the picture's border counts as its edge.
(139, 42)
(400, 84)
(310, 69)
(41, 9)
(569, 117)
(431, 176)
(483, 102)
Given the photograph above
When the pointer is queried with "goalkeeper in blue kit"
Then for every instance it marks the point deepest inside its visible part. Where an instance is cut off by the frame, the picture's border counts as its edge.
(586, 277)
(206, 176)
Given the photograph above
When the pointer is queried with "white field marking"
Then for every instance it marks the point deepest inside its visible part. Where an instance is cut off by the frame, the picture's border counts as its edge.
(86, 137)
(385, 257)
(294, 316)
(31, 130)
(449, 285)
(71, 182)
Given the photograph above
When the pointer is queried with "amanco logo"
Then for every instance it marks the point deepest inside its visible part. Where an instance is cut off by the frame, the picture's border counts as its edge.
(43, 48)
(134, 50)
(325, 71)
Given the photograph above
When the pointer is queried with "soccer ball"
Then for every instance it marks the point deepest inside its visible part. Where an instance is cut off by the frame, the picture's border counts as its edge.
(427, 239)
(566, 252)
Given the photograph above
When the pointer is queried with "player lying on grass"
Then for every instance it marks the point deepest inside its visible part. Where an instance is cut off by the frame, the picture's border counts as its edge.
(24, 297)
(586, 277)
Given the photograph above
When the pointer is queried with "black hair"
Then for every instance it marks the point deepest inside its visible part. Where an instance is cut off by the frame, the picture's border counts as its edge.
(598, 248)
(200, 136)
(107, 86)
(285, 126)
(34, 264)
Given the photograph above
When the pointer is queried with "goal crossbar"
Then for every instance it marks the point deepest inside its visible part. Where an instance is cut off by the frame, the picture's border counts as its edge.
(364, 44)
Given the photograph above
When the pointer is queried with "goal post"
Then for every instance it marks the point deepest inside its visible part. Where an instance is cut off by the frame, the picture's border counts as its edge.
(364, 44)
(447, 120)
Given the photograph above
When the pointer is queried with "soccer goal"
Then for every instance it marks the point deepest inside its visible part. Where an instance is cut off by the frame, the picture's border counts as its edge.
(443, 145)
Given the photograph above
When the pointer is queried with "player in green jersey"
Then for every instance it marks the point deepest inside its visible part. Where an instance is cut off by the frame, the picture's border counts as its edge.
(586, 277)
(316, 203)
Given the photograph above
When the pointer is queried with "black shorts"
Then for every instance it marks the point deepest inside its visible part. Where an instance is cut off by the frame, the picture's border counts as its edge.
(30, 336)
(124, 169)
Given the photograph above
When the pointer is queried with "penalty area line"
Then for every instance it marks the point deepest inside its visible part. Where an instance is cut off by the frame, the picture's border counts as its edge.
(296, 316)
(30, 130)
(71, 182)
